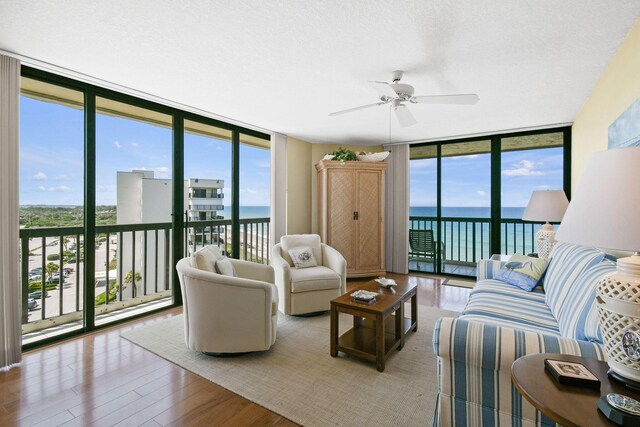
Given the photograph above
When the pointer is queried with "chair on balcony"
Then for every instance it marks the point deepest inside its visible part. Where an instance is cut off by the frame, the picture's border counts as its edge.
(232, 313)
(311, 289)
(422, 246)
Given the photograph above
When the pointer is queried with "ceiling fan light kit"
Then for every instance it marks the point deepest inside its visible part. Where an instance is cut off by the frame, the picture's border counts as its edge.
(397, 94)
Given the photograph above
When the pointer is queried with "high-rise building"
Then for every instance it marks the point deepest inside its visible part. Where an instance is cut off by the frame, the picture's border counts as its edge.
(143, 198)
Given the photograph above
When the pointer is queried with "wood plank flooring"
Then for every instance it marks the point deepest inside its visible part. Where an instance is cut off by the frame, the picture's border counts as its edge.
(100, 379)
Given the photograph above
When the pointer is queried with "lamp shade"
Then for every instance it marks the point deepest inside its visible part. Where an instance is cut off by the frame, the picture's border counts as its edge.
(546, 205)
(605, 209)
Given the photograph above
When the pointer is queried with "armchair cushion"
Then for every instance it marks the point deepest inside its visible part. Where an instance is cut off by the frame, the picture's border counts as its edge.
(225, 267)
(314, 279)
(205, 258)
(303, 257)
(293, 241)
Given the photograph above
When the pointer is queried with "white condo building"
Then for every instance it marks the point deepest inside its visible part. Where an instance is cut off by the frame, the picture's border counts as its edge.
(142, 198)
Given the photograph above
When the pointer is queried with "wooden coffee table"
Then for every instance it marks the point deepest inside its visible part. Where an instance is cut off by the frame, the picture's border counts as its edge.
(567, 405)
(378, 328)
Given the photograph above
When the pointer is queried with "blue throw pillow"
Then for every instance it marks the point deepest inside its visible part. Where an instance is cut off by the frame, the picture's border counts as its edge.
(523, 271)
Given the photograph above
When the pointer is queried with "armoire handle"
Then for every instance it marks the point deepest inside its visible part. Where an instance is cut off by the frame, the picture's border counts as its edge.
(356, 215)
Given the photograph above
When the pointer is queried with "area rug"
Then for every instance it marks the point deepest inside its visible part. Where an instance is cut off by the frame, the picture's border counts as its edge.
(298, 379)
(459, 283)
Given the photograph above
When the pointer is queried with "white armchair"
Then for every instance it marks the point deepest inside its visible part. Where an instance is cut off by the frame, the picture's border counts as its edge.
(226, 314)
(308, 290)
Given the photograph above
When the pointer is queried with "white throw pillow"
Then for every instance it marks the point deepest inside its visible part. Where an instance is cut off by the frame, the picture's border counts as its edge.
(303, 257)
(205, 258)
(225, 267)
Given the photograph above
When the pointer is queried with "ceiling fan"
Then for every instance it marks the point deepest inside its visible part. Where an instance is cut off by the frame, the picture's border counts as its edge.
(397, 94)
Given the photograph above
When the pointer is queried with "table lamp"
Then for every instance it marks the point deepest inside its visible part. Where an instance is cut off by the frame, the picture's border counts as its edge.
(549, 206)
(605, 213)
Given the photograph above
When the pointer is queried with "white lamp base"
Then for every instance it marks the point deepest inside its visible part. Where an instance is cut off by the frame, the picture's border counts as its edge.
(545, 240)
(618, 299)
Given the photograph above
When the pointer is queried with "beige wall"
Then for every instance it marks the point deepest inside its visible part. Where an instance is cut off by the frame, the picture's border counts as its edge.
(617, 89)
(301, 181)
(298, 186)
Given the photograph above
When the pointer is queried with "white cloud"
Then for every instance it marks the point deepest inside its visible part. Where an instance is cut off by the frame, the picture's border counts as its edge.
(117, 144)
(481, 193)
(63, 177)
(541, 187)
(63, 189)
(40, 176)
(523, 168)
(42, 188)
(135, 145)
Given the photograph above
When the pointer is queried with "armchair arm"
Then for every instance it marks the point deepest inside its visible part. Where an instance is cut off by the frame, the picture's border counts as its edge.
(253, 270)
(487, 268)
(477, 344)
(282, 276)
(334, 260)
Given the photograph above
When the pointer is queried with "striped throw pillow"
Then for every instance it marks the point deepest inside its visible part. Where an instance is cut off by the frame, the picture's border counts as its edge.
(578, 317)
(567, 263)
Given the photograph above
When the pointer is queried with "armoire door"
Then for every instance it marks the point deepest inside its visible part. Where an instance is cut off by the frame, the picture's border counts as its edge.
(369, 223)
(341, 208)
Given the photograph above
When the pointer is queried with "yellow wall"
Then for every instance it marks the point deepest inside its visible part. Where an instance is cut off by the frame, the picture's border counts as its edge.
(617, 89)
(301, 181)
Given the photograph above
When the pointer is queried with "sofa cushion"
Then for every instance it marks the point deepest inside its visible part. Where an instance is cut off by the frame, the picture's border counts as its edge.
(314, 279)
(499, 303)
(293, 241)
(567, 263)
(205, 258)
(578, 317)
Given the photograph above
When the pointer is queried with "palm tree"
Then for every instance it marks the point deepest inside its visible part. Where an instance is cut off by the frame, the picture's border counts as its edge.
(50, 268)
(128, 278)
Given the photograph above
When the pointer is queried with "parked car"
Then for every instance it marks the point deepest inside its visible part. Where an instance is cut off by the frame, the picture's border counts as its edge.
(32, 304)
(37, 270)
(34, 276)
(37, 294)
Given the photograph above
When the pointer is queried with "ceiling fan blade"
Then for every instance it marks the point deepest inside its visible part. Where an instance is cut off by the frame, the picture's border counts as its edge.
(463, 99)
(384, 89)
(349, 110)
(404, 116)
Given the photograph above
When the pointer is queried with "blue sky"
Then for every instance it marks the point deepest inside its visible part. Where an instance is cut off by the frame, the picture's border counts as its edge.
(51, 157)
(466, 180)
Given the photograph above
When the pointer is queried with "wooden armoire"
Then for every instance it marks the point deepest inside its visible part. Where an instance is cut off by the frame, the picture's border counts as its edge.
(351, 213)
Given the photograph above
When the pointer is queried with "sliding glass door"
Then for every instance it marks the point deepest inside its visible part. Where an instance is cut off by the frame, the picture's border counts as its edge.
(466, 205)
(470, 195)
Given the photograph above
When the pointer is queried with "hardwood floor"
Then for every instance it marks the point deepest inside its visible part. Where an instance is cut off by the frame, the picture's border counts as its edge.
(101, 379)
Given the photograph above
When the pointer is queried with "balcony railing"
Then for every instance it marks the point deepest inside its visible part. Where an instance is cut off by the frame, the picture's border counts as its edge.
(133, 266)
(464, 241)
(254, 237)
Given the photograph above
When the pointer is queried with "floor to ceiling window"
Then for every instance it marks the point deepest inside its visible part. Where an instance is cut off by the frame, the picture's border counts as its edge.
(114, 190)
(468, 196)
(133, 206)
(208, 184)
(254, 197)
(51, 206)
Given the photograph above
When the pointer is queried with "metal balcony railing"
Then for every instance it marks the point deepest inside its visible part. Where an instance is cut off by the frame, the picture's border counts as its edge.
(466, 240)
(133, 262)
(254, 237)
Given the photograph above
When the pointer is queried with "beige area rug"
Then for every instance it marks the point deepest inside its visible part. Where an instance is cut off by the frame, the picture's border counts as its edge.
(459, 283)
(297, 378)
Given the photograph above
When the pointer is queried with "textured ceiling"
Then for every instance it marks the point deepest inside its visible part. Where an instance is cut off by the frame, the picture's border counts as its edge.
(284, 65)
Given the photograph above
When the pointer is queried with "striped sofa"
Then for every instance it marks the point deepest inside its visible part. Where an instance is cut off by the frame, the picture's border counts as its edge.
(502, 323)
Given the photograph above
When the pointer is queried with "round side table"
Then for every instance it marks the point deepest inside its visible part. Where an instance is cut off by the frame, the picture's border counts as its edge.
(566, 405)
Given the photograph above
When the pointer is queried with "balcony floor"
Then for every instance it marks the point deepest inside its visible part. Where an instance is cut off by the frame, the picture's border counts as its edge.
(426, 266)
